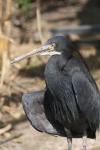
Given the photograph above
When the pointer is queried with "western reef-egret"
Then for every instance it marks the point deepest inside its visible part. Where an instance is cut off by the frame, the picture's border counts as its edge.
(69, 106)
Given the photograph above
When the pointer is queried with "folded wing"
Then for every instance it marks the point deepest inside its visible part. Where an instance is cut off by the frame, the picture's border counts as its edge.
(88, 99)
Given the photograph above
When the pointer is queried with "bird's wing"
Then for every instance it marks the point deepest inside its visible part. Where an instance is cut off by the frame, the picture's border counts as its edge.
(87, 97)
(33, 104)
(64, 105)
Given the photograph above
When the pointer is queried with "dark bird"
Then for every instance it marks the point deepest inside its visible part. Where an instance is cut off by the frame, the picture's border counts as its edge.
(69, 106)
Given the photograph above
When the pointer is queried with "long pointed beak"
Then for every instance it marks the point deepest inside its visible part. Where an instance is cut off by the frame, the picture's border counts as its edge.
(44, 50)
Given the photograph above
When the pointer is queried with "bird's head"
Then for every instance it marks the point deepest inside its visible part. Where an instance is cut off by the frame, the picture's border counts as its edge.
(55, 45)
(61, 43)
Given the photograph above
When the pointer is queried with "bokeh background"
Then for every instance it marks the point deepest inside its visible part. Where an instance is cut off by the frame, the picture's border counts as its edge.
(25, 25)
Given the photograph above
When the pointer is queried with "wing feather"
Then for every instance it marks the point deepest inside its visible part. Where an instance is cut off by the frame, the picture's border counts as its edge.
(65, 103)
(33, 104)
(88, 98)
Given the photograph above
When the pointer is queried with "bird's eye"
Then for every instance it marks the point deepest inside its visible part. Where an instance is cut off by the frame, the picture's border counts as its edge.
(52, 47)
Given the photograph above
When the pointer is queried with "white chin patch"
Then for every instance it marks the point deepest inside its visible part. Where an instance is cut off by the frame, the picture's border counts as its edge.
(51, 53)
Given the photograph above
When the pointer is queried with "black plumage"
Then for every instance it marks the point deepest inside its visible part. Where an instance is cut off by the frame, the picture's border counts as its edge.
(70, 104)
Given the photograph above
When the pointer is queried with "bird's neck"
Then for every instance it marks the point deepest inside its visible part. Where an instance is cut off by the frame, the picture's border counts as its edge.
(53, 70)
(63, 60)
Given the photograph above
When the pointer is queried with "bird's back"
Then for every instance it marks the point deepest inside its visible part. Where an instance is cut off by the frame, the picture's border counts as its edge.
(86, 94)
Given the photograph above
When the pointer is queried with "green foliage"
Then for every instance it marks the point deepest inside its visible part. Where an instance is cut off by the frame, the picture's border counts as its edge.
(24, 4)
